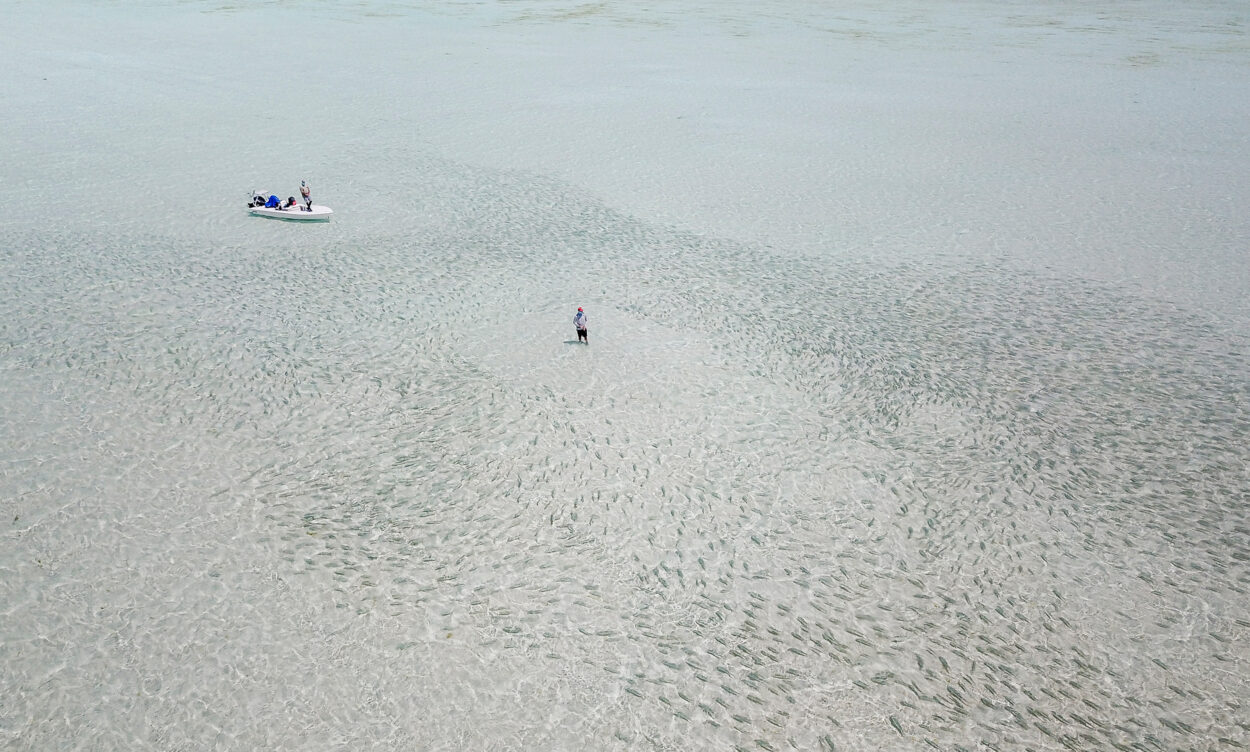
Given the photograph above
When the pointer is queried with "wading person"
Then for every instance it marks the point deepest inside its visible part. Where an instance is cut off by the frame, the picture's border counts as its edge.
(579, 322)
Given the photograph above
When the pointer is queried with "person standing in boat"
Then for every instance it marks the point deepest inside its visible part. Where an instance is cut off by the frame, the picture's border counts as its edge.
(580, 322)
(306, 193)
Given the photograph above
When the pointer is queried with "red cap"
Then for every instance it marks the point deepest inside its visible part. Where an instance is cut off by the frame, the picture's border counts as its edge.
(579, 308)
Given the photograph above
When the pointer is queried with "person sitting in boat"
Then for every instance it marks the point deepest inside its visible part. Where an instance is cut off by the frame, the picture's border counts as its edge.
(290, 201)
(273, 202)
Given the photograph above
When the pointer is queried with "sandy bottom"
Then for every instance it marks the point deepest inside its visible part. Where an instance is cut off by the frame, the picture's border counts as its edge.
(350, 485)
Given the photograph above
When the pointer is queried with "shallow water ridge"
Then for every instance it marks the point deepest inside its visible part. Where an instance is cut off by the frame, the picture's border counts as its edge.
(276, 486)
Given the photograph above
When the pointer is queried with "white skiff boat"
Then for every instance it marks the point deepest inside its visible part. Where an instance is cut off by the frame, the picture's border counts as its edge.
(296, 212)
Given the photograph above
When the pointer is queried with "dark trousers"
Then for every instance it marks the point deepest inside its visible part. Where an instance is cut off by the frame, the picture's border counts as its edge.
(583, 336)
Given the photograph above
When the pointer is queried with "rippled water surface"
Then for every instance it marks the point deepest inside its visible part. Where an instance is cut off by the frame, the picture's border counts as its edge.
(909, 474)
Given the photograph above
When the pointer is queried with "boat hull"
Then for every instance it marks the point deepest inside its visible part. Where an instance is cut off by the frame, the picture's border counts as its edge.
(295, 213)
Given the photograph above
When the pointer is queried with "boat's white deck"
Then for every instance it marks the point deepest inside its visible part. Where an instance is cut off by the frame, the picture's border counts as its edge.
(295, 212)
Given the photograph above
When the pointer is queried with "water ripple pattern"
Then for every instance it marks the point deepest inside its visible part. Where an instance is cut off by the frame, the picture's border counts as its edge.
(914, 414)
(367, 490)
